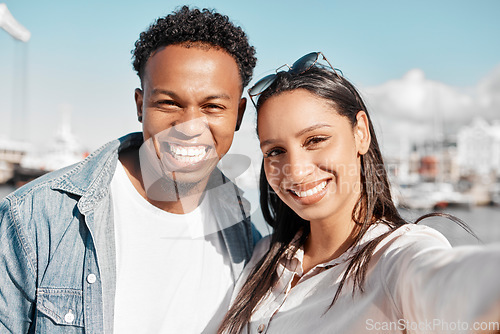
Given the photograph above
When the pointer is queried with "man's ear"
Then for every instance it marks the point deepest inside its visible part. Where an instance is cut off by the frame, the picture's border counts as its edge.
(362, 132)
(241, 111)
(139, 98)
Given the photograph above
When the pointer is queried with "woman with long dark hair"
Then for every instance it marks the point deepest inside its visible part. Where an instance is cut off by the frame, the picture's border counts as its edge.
(341, 259)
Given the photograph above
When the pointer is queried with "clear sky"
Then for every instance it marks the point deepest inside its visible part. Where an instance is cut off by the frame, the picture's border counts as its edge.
(79, 53)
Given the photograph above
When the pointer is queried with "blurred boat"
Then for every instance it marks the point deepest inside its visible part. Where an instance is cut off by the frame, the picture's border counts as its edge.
(495, 193)
(62, 151)
(11, 154)
(429, 195)
(6, 172)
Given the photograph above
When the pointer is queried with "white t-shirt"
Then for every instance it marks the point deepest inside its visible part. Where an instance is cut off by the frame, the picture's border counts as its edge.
(171, 278)
(415, 283)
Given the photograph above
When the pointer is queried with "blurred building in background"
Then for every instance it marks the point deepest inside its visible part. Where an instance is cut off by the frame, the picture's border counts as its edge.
(463, 170)
(478, 148)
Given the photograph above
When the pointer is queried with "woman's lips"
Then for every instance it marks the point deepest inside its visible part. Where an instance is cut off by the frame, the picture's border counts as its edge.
(310, 193)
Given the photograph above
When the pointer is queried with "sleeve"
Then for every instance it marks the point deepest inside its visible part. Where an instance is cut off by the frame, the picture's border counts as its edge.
(17, 274)
(430, 282)
(260, 251)
(256, 236)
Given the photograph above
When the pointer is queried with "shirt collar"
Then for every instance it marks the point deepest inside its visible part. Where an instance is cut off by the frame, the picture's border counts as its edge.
(294, 255)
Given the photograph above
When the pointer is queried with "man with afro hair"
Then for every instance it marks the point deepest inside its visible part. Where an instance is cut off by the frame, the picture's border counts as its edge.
(146, 235)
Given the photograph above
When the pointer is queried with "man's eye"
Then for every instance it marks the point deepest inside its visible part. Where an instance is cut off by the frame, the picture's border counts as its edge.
(167, 103)
(214, 107)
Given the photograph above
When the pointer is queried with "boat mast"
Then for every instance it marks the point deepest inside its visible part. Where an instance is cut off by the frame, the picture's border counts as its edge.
(19, 101)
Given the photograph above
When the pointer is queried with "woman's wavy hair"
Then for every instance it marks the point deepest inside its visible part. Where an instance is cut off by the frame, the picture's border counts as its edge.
(375, 203)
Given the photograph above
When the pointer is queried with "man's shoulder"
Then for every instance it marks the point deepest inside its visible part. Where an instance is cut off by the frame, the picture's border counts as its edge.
(62, 176)
(79, 177)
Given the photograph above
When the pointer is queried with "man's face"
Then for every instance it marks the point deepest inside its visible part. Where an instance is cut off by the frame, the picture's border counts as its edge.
(190, 106)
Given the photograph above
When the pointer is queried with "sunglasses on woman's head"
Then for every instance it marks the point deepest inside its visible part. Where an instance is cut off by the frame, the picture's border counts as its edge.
(301, 65)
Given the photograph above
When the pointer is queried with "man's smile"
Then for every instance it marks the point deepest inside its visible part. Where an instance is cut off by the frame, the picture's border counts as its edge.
(188, 154)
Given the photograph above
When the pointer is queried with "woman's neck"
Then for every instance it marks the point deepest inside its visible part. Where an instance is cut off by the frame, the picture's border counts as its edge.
(328, 240)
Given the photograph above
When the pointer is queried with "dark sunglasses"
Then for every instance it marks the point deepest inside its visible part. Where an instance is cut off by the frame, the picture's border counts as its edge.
(301, 65)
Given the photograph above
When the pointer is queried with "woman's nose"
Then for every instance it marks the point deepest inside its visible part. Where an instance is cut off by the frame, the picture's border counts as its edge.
(298, 167)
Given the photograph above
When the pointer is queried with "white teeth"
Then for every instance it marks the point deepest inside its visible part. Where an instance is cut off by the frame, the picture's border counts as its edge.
(189, 155)
(312, 191)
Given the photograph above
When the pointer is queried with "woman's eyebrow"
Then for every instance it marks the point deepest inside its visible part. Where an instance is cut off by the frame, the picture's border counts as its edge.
(267, 142)
(312, 128)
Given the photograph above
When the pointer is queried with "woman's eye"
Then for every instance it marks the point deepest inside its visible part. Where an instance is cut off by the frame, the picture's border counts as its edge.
(273, 152)
(315, 140)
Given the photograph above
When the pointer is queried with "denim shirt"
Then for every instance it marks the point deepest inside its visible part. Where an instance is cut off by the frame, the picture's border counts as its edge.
(57, 251)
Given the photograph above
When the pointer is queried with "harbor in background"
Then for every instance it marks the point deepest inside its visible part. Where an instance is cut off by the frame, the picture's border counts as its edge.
(461, 170)
(483, 220)
(457, 173)
(21, 162)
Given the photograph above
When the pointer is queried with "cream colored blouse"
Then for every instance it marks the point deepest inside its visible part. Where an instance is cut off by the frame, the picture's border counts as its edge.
(416, 283)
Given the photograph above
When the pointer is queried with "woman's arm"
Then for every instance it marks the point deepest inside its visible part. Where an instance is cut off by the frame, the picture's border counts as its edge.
(431, 282)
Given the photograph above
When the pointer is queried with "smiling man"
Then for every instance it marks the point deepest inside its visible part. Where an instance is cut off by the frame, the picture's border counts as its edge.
(146, 235)
(190, 105)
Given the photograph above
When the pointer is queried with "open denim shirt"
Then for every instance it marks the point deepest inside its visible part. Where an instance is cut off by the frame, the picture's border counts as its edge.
(57, 251)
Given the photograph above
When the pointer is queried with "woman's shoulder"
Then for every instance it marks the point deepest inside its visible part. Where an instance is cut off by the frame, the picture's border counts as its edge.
(409, 238)
(410, 231)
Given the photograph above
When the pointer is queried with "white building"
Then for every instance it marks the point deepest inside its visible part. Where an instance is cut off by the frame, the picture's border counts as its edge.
(478, 148)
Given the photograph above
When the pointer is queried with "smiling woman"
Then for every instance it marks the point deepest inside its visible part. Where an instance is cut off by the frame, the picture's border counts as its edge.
(313, 158)
(339, 246)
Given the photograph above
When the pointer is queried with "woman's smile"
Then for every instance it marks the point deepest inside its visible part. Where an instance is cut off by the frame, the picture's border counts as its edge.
(309, 193)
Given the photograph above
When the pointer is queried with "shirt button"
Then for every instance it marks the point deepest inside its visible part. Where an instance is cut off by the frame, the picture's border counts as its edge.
(261, 328)
(69, 317)
(91, 278)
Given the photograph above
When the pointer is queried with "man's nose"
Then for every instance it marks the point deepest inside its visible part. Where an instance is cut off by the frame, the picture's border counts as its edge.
(191, 123)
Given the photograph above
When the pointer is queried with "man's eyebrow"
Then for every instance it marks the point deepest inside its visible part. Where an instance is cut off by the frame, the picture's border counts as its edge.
(300, 133)
(216, 97)
(158, 91)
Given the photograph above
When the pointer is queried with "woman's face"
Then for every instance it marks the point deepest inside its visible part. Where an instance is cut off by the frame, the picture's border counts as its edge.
(312, 154)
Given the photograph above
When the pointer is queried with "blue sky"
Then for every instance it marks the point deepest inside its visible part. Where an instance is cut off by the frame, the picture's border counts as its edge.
(79, 53)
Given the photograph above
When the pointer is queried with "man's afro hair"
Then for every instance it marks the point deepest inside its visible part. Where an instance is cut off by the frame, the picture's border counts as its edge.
(192, 25)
